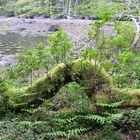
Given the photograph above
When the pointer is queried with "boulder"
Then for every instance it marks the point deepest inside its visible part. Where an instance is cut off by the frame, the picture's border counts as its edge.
(46, 16)
(62, 17)
(54, 28)
(22, 29)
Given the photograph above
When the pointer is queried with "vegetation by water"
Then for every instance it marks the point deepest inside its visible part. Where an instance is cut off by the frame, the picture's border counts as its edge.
(63, 8)
(55, 93)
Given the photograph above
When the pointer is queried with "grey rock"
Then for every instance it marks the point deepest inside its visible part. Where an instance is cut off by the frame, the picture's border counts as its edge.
(22, 29)
(54, 28)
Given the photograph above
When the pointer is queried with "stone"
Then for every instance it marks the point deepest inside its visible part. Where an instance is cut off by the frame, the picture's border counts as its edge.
(54, 28)
(62, 17)
(22, 29)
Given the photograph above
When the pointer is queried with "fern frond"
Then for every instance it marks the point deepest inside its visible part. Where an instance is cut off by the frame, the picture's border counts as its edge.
(114, 117)
(2, 122)
(96, 118)
(40, 123)
(112, 105)
(76, 132)
(25, 94)
(69, 120)
(5, 137)
(25, 123)
(57, 134)
(31, 111)
(67, 134)
(18, 105)
(28, 123)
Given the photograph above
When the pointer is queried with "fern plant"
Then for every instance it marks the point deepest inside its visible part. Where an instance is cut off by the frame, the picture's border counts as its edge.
(111, 105)
(67, 134)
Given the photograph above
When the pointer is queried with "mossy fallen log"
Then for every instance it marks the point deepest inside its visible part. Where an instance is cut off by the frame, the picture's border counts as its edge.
(90, 75)
(107, 95)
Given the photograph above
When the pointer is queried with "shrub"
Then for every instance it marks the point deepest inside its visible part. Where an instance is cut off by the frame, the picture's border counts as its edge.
(131, 120)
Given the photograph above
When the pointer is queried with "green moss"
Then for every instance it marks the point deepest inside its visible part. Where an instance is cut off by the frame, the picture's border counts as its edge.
(86, 73)
(49, 85)
(70, 96)
(89, 71)
(90, 75)
(20, 98)
(107, 95)
(134, 102)
(101, 99)
(131, 97)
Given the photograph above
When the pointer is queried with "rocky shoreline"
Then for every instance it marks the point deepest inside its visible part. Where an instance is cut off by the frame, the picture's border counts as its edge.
(76, 29)
(39, 26)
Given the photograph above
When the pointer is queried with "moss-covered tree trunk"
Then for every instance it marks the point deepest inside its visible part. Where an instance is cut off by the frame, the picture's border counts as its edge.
(96, 82)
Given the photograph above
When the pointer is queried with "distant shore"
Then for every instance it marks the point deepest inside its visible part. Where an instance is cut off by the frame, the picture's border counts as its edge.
(76, 29)
(39, 26)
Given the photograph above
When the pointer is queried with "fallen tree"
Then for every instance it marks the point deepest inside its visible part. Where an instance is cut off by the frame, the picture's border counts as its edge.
(90, 75)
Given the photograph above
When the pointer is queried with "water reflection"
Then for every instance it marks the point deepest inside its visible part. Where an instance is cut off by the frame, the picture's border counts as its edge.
(11, 44)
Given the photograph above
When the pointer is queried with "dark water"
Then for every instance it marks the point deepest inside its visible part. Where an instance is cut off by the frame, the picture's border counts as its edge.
(11, 44)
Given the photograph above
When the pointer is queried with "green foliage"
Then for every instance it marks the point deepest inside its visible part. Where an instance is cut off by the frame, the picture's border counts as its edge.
(3, 85)
(96, 118)
(17, 130)
(109, 132)
(115, 52)
(124, 37)
(108, 47)
(69, 134)
(123, 77)
(70, 113)
(3, 98)
(19, 98)
(131, 120)
(3, 106)
(60, 47)
(99, 9)
(34, 61)
(70, 119)
(30, 61)
(53, 8)
(88, 74)
(112, 105)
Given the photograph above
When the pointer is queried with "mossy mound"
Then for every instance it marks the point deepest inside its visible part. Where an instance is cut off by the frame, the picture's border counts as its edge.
(70, 97)
(130, 97)
(90, 75)
(20, 98)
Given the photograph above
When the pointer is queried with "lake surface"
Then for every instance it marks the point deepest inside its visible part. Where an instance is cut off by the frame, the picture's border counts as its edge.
(11, 44)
